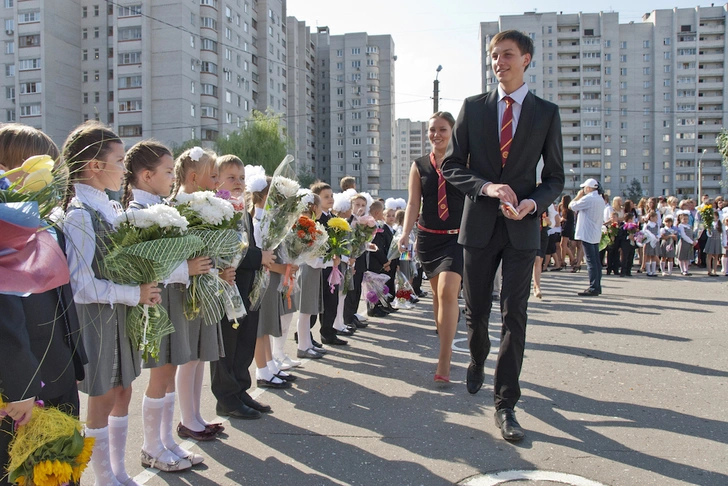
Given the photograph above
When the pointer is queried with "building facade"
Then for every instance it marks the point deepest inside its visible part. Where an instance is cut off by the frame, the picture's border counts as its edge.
(301, 80)
(166, 69)
(355, 132)
(638, 101)
(412, 143)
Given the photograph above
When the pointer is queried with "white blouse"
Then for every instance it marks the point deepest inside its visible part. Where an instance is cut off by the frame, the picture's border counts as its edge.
(81, 251)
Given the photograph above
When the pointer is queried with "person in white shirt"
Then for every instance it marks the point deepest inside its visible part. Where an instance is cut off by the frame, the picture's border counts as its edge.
(589, 230)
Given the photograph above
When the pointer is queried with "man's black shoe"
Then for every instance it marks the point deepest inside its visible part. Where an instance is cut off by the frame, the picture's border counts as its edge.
(242, 412)
(254, 404)
(588, 293)
(421, 294)
(505, 420)
(357, 323)
(475, 378)
(316, 344)
(377, 312)
(334, 341)
(345, 332)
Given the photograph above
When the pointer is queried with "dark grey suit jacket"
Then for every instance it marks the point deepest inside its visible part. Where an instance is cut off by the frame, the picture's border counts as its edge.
(474, 158)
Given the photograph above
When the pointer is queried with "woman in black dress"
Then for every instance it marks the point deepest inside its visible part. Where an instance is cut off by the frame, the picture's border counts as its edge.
(567, 232)
(437, 234)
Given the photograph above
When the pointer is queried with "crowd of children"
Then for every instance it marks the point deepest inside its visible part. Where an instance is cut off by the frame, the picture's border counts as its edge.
(94, 335)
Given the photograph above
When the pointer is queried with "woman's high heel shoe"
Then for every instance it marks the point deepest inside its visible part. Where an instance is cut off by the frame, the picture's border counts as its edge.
(442, 379)
(576, 268)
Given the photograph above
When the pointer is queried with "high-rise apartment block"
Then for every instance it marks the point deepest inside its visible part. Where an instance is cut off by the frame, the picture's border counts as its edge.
(162, 68)
(355, 133)
(412, 143)
(642, 100)
(301, 79)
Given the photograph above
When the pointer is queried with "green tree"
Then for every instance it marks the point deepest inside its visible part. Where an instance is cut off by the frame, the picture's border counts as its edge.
(722, 143)
(178, 149)
(633, 191)
(263, 141)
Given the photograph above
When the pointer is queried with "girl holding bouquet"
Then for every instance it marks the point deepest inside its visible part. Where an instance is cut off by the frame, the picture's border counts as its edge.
(311, 295)
(94, 156)
(195, 170)
(651, 252)
(268, 374)
(685, 244)
(342, 209)
(668, 242)
(359, 206)
(149, 179)
(714, 245)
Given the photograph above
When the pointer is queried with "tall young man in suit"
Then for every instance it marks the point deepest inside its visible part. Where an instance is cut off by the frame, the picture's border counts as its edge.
(497, 143)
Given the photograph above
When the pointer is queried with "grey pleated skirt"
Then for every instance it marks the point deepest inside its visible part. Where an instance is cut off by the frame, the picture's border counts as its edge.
(271, 308)
(112, 360)
(311, 296)
(174, 348)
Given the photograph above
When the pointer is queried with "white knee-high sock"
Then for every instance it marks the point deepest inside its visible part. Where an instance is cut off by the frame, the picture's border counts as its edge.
(185, 384)
(100, 458)
(277, 344)
(152, 413)
(724, 262)
(670, 263)
(304, 332)
(662, 266)
(199, 377)
(339, 320)
(118, 428)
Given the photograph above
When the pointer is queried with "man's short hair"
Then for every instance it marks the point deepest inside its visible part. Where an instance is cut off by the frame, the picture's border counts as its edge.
(523, 41)
(319, 186)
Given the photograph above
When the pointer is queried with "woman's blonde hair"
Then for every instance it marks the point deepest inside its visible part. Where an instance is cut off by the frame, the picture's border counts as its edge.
(18, 142)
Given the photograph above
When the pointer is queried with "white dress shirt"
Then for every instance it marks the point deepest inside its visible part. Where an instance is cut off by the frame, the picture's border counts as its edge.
(81, 251)
(590, 219)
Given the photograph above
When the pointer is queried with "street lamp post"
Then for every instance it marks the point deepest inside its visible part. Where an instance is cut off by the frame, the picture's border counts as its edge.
(700, 175)
(436, 91)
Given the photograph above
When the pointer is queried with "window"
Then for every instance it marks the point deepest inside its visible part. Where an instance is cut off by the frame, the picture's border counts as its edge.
(623, 166)
(130, 11)
(96, 32)
(208, 44)
(134, 57)
(130, 105)
(622, 71)
(96, 10)
(29, 40)
(10, 47)
(623, 45)
(339, 52)
(31, 109)
(30, 87)
(208, 67)
(130, 33)
(130, 130)
(84, 12)
(126, 82)
(96, 53)
(355, 50)
(666, 41)
(97, 98)
(28, 17)
(208, 22)
(28, 64)
(84, 34)
(10, 92)
(623, 58)
(208, 112)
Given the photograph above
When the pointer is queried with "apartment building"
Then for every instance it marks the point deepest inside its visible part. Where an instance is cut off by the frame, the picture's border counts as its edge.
(355, 132)
(639, 101)
(301, 78)
(412, 143)
(166, 69)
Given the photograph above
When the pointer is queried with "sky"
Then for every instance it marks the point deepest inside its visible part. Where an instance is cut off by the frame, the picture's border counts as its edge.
(428, 33)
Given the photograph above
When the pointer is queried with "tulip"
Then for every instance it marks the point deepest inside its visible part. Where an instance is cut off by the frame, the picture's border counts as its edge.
(37, 181)
(33, 164)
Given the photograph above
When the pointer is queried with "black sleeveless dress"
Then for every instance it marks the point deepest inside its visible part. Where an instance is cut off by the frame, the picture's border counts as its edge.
(438, 252)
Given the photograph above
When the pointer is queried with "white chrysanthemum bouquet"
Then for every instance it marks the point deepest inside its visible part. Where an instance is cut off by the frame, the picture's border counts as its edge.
(216, 223)
(283, 205)
(147, 246)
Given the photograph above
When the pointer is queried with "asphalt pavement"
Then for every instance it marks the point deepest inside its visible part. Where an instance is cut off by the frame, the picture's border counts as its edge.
(629, 388)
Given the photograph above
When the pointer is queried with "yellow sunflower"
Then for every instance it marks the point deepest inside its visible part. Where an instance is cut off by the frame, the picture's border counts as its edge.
(339, 223)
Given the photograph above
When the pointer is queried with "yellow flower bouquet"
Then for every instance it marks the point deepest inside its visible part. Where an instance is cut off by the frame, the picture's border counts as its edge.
(49, 450)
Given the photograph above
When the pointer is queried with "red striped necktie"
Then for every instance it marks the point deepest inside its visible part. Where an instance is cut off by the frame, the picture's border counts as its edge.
(442, 210)
(506, 133)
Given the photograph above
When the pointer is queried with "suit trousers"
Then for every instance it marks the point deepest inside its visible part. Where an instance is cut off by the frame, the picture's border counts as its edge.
(331, 303)
(351, 302)
(480, 266)
(230, 374)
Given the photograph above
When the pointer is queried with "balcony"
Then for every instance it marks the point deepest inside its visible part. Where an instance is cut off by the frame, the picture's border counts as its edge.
(712, 42)
(569, 34)
(711, 57)
(714, 85)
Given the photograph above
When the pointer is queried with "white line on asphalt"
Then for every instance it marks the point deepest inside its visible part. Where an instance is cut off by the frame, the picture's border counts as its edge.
(494, 479)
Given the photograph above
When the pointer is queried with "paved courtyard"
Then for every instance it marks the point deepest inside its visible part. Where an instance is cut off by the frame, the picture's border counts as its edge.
(630, 388)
